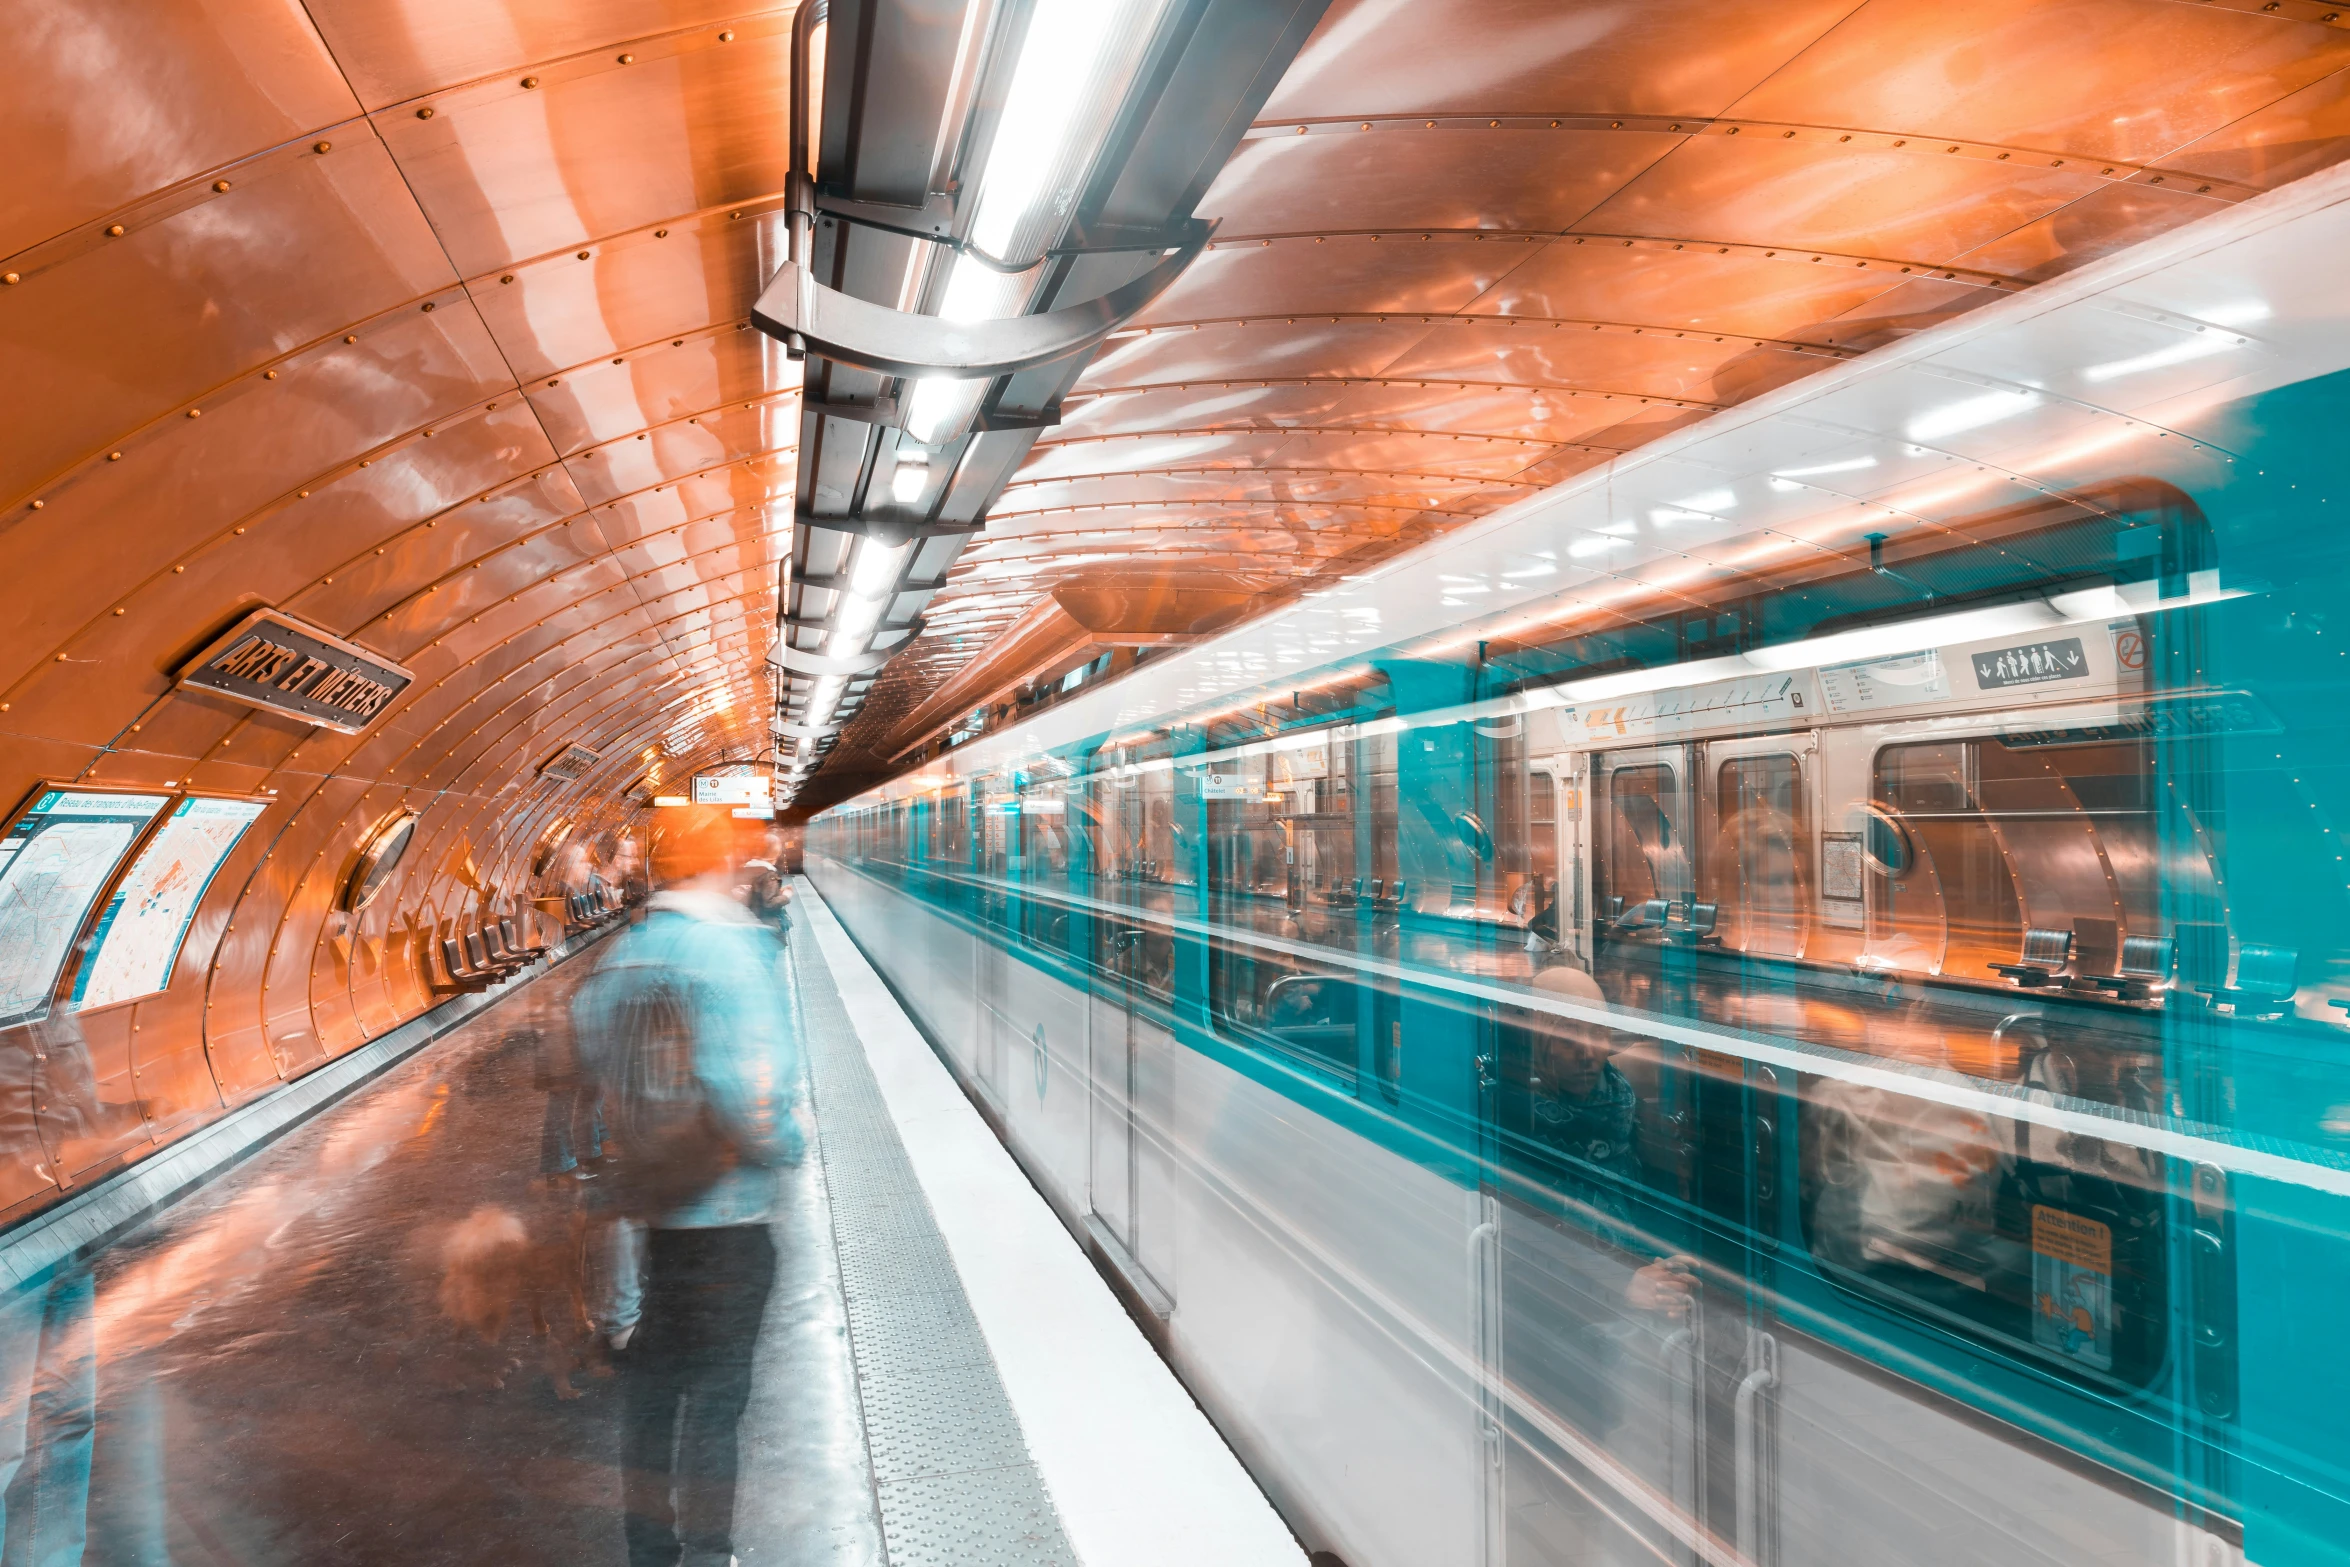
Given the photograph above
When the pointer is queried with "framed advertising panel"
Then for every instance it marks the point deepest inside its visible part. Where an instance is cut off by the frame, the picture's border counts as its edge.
(58, 856)
(136, 944)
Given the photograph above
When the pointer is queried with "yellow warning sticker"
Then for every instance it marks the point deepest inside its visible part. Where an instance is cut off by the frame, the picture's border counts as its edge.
(2068, 1237)
(2072, 1286)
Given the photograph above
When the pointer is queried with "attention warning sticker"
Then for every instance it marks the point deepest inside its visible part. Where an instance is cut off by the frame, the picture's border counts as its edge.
(2072, 1286)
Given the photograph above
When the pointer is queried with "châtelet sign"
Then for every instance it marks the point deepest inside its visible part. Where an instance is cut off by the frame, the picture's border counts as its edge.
(274, 661)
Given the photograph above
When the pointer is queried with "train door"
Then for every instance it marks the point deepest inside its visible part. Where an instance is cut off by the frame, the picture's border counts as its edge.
(1560, 785)
(1644, 807)
(1605, 1418)
(1110, 1049)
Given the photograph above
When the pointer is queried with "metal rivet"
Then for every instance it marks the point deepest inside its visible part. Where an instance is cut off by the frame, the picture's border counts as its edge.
(1732, 131)
(10, 278)
(301, 495)
(322, 146)
(428, 307)
(114, 456)
(628, 59)
(119, 611)
(583, 255)
(269, 375)
(38, 505)
(734, 214)
(530, 81)
(555, 381)
(350, 337)
(179, 570)
(220, 185)
(508, 278)
(424, 114)
(114, 229)
(726, 37)
(660, 233)
(1366, 125)
(195, 413)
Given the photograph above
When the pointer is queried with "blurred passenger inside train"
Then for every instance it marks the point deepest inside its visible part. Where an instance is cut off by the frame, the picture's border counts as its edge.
(1585, 1108)
(1901, 1181)
(684, 1033)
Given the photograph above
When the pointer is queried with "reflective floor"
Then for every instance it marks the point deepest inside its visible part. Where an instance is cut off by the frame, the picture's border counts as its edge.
(277, 1378)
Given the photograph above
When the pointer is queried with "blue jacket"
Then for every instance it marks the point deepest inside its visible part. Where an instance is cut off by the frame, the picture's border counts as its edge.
(746, 1042)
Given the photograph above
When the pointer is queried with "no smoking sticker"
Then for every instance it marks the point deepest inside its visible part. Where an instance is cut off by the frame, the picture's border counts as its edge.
(2129, 649)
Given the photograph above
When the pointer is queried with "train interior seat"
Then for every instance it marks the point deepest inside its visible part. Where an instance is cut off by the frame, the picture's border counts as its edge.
(1696, 927)
(524, 950)
(2146, 965)
(2266, 981)
(2044, 956)
(1650, 914)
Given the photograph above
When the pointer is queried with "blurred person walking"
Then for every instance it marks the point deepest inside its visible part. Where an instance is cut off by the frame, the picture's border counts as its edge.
(684, 1034)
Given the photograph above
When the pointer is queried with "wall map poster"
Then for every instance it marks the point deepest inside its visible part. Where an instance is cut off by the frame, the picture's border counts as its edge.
(53, 862)
(138, 937)
(274, 661)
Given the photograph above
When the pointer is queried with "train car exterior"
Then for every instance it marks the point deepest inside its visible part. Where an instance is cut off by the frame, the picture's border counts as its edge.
(1822, 1040)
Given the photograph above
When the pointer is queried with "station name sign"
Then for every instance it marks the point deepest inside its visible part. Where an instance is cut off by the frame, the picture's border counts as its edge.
(273, 661)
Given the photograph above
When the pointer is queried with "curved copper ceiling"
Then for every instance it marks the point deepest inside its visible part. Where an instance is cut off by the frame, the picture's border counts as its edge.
(1471, 247)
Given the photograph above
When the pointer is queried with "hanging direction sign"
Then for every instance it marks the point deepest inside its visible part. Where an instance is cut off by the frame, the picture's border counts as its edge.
(276, 662)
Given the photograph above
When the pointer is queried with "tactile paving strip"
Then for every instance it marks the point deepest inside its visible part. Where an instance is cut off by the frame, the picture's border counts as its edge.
(951, 1471)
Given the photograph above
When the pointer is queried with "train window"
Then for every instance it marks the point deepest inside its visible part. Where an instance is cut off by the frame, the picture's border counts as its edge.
(1885, 841)
(1951, 906)
(1759, 875)
(1301, 1013)
(1643, 849)
(2049, 1245)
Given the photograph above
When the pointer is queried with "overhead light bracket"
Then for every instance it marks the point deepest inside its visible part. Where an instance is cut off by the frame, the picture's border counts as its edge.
(866, 336)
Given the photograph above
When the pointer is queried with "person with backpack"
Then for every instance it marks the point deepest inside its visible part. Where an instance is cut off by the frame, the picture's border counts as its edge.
(684, 1035)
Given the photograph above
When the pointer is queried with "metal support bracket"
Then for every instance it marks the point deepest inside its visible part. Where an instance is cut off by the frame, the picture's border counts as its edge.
(856, 332)
(801, 662)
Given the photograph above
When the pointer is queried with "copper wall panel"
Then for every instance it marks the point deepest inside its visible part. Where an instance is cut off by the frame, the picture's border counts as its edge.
(121, 97)
(1478, 56)
(2292, 137)
(1529, 179)
(123, 330)
(507, 173)
(85, 1096)
(405, 50)
(2138, 81)
(1337, 272)
(631, 291)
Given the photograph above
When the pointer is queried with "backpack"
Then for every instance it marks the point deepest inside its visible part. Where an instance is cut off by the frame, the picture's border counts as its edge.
(663, 1144)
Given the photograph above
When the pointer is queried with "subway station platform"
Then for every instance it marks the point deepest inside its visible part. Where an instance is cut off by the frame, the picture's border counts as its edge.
(941, 1377)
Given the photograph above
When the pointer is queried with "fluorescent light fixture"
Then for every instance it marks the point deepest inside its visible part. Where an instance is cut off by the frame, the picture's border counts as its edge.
(1971, 413)
(1710, 502)
(877, 569)
(667, 800)
(907, 480)
(1060, 85)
